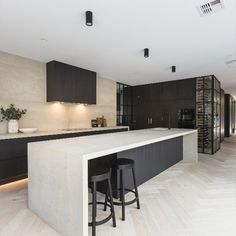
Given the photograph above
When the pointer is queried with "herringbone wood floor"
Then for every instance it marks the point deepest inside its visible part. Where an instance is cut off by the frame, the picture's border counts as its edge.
(186, 200)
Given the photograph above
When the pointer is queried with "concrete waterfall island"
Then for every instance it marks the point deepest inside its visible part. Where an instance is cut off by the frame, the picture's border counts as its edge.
(58, 169)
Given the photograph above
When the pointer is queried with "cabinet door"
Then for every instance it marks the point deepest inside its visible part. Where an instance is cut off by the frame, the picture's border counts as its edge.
(154, 105)
(140, 119)
(59, 84)
(145, 105)
(13, 167)
(169, 91)
(138, 94)
(151, 92)
(151, 110)
(89, 86)
(187, 89)
(84, 86)
(68, 83)
(13, 161)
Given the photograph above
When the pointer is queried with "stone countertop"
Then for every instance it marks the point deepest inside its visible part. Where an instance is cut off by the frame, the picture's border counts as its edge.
(58, 132)
(60, 168)
(90, 147)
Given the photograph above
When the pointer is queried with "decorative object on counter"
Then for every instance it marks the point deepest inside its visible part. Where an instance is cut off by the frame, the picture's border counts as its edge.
(94, 123)
(28, 130)
(102, 122)
(12, 115)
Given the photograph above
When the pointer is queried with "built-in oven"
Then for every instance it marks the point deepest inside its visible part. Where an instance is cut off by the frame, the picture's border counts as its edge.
(186, 118)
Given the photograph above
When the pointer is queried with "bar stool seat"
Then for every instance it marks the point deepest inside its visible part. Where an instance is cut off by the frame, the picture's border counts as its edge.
(123, 164)
(99, 175)
(94, 178)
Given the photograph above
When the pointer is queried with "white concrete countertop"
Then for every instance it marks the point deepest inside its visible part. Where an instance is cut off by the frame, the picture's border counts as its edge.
(58, 172)
(90, 147)
(59, 131)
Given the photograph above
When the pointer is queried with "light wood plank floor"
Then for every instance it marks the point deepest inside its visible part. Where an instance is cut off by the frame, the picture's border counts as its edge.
(186, 200)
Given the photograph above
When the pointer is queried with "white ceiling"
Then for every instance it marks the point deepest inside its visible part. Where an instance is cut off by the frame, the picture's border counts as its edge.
(173, 30)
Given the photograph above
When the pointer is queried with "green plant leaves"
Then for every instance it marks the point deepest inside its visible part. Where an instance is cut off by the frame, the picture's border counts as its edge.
(11, 113)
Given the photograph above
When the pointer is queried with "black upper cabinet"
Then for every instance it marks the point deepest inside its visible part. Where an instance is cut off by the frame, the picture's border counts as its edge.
(169, 91)
(66, 83)
(186, 89)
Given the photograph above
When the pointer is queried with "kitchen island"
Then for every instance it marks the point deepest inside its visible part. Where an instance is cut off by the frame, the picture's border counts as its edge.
(58, 169)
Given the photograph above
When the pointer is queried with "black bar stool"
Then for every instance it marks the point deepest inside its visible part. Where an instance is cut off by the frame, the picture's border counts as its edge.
(122, 165)
(94, 178)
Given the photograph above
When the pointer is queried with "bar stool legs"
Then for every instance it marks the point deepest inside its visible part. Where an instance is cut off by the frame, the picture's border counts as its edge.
(93, 180)
(94, 209)
(136, 189)
(122, 192)
(112, 204)
(122, 165)
(106, 200)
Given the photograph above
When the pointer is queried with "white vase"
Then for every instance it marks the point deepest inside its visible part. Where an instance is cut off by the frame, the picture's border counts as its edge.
(13, 126)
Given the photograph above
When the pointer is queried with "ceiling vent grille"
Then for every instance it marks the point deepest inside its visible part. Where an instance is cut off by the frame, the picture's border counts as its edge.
(210, 7)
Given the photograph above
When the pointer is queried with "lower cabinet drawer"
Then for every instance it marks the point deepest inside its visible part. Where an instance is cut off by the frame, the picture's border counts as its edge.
(13, 167)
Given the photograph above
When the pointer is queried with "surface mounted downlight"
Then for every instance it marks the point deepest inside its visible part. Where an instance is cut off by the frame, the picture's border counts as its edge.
(89, 18)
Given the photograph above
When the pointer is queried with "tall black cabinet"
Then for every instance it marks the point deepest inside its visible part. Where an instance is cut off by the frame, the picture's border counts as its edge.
(157, 105)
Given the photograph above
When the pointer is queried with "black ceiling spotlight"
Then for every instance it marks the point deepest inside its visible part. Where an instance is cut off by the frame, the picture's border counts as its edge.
(89, 18)
(146, 52)
(173, 68)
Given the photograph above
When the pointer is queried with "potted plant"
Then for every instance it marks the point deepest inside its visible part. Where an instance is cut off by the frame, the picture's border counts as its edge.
(12, 115)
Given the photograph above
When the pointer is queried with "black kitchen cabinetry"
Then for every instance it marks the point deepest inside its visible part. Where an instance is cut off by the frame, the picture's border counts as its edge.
(229, 115)
(157, 105)
(142, 112)
(66, 83)
(13, 153)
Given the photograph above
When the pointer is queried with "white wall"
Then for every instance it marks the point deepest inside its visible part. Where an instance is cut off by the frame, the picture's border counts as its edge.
(23, 83)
